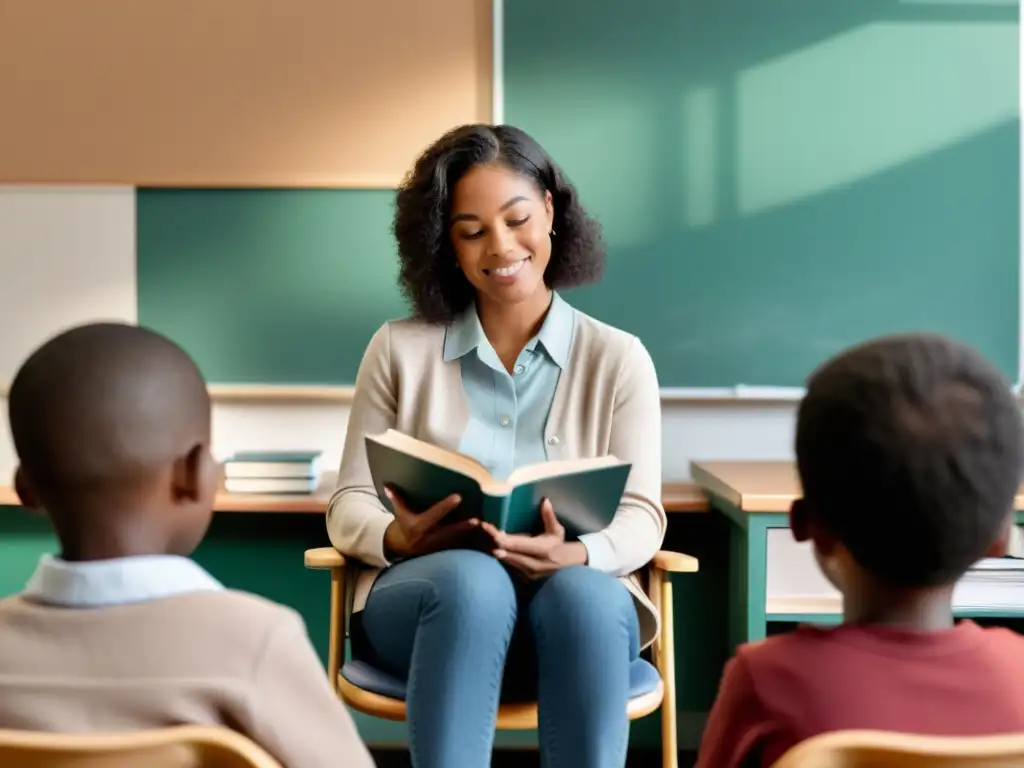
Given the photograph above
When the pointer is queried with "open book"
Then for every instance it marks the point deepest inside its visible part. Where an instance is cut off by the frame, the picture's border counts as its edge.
(585, 493)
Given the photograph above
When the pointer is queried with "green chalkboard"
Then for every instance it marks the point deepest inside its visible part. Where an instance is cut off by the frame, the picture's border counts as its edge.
(780, 179)
(268, 286)
(776, 181)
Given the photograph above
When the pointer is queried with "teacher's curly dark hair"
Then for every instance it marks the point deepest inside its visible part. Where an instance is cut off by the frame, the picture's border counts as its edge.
(429, 274)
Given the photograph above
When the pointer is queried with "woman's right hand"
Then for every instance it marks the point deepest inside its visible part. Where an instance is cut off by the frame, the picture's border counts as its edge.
(411, 533)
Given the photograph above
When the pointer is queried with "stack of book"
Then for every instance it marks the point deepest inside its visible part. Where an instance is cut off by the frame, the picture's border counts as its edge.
(272, 472)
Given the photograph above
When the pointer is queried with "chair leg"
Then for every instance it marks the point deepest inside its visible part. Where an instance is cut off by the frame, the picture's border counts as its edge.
(667, 667)
(336, 642)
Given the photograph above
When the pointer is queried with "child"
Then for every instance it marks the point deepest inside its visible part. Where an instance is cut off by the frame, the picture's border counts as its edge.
(910, 451)
(121, 631)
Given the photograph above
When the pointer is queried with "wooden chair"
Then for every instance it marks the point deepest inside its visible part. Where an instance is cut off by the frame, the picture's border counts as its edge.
(185, 746)
(879, 749)
(375, 693)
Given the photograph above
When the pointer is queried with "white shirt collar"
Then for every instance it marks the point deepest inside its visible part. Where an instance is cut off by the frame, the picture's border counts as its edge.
(115, 582)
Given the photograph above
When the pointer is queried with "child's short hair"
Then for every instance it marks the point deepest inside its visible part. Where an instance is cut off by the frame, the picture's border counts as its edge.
(910, 451)
(104, 403)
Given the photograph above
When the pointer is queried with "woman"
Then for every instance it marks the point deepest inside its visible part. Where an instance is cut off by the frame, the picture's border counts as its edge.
(496, 365)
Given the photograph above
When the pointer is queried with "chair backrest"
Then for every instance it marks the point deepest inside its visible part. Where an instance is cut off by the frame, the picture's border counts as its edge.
(879, 749)
(185, 746)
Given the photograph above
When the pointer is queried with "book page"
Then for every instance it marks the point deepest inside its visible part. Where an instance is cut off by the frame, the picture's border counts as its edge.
(432, 454)
(533, 472)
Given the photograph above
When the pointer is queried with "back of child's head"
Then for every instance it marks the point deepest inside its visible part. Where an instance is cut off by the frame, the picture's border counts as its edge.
(111, 424)
(910, 451)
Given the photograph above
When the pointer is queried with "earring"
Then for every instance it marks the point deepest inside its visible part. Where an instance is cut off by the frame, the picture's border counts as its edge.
(552, 232)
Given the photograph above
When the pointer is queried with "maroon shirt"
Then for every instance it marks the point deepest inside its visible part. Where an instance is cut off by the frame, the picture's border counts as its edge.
(965, 681)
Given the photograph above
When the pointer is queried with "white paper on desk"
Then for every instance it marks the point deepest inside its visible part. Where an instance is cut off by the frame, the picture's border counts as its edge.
(792, 570)
(794, 579)
(999, 564)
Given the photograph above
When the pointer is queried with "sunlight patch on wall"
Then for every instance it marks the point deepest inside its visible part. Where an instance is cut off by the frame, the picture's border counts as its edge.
(617, 161)
(858, 104)
(699, 156)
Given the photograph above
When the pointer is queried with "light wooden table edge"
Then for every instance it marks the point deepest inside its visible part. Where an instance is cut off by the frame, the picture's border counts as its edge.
(678, 497)
(294, 504)
(714, 485)
(8, 497)
(268, 393)
(684, 497)
(761, 503)
(229, 502)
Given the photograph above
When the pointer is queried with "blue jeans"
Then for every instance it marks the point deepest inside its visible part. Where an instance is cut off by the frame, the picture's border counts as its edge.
(449, 622)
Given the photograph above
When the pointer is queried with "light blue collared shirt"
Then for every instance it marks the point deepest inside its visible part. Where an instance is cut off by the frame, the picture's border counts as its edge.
(99, 583)
(508, 412)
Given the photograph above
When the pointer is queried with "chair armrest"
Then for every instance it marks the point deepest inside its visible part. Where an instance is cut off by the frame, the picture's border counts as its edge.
(673, 562)
(324, 558)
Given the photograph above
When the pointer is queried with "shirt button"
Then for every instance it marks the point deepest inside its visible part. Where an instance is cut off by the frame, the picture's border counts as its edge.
(519, 369)
(503, 421)
(553, 440)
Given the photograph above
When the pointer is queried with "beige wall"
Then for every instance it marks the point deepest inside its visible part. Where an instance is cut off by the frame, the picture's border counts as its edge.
(235, 92)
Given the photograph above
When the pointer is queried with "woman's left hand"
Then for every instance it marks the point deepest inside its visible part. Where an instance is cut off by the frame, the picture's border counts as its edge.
(541, 555)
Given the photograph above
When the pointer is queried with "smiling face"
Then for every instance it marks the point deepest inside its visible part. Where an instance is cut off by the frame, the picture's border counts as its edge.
(501, 233)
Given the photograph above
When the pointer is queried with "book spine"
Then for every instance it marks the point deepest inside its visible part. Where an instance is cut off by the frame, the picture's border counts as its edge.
(495, 510)
(506, 511)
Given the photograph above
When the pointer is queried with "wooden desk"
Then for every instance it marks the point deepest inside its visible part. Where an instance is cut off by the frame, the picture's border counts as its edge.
(755, 496)
(684, 497)
(749, 486)
(758, 486)
(228, 502)
(315, 504)
(678, 497)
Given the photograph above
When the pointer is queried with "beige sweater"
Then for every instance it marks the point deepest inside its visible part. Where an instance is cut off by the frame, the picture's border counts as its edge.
(607, 402)
(210, 658)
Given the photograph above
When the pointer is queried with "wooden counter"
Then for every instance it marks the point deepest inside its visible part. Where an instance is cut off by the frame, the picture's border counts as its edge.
(228, 502)
(684, 497)
(678, 497)
(758, 486)
(754, 496)
(315, 504)
(752, 486)
(8, 498)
